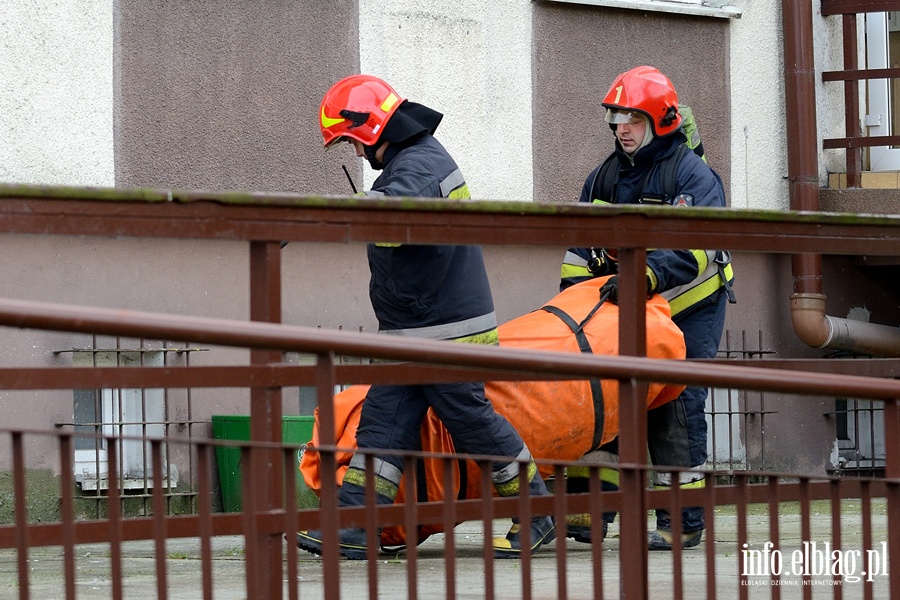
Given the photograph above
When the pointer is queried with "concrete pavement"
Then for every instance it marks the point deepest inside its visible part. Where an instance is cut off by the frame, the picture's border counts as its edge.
(184, 576)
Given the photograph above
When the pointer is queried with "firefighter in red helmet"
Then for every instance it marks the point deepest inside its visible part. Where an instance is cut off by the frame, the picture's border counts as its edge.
(417, 291)
(652, 164)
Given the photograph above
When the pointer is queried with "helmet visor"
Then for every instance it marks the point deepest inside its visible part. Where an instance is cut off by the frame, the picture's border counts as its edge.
(337, 141)
(615, 116)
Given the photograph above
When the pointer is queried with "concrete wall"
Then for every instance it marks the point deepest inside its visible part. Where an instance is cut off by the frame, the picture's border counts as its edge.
(56, 92)
(226, 96)
(470, 60)
(758, 140)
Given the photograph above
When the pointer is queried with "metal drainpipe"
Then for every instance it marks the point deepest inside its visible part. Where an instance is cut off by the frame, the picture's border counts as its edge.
(812, 325)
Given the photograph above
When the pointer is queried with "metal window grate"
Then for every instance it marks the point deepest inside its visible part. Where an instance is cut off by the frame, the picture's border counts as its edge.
(736, 418)
(860, 445)
(132, 417)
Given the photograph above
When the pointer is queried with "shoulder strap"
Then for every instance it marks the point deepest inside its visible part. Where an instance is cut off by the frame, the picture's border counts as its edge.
(669, 167)
(577, 328)
(605, 180)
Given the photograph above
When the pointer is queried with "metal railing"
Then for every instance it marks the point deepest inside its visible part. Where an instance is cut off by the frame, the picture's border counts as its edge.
(265, 221)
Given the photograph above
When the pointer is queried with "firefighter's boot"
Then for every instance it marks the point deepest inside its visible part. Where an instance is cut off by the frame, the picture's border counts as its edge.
(542, 528)
(662, 539)
(352, 542)
(692, 517)
(578, 526)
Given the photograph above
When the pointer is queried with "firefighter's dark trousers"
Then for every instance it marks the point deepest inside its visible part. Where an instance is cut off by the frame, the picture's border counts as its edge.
(392, 416)
(676, 431)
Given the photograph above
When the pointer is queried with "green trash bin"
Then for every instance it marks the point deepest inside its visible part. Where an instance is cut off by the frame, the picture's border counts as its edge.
(296, 430)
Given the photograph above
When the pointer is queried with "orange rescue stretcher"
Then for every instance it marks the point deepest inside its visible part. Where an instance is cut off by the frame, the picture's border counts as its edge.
(558, 420)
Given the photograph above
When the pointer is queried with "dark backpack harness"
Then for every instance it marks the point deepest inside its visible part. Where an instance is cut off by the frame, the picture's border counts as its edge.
(604, 185)
(604, 188)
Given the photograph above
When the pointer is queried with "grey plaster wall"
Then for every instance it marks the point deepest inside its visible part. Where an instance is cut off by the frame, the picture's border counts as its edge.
(56, 92)
(207, 279)
(225, 95)
(327, 285)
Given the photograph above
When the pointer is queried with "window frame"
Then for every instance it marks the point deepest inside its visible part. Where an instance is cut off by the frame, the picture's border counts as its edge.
(879, 117)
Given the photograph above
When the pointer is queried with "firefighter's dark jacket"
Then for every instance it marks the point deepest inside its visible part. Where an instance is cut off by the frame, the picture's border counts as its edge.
(684, 277)
(437, 292)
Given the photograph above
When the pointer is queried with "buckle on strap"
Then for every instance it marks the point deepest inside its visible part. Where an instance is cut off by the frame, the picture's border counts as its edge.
(723, 259)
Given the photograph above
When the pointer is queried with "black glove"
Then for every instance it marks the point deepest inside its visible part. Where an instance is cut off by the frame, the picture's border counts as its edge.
(611, 289)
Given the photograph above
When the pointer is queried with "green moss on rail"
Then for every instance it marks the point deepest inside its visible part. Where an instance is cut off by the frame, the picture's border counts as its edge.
(357, 203)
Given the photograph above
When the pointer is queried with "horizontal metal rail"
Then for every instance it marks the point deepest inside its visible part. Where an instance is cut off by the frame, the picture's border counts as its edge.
(62, 317)
(195, 215)
(284, 375)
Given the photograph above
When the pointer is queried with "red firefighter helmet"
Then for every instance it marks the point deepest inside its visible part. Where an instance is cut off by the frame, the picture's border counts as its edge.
(646, 90)
(357, 107)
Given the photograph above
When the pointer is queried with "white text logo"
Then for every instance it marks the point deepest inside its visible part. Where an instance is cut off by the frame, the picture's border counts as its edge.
(816, 560)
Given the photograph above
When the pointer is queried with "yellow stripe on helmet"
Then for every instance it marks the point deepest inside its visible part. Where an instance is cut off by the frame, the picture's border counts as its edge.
(328, 121)
(389, 102)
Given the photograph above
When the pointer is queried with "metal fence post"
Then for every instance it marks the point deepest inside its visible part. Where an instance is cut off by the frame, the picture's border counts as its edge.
(633, 427)
(264, 554)
(892, 473)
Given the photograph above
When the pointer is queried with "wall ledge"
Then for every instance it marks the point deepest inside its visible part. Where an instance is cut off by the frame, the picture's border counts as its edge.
(699, 8)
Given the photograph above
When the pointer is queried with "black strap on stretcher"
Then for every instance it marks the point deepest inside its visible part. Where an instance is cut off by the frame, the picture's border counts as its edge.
(585, 347)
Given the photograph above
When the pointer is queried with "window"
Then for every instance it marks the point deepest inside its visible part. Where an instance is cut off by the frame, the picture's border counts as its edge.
(883, 113)
(133, 416)
(724, 443)
(860, 436)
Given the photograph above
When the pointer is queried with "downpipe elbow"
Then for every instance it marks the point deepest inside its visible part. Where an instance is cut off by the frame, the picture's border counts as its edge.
(818, 330)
